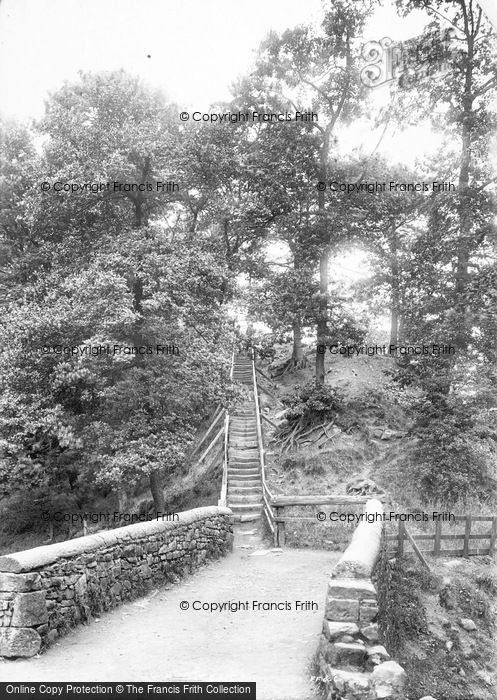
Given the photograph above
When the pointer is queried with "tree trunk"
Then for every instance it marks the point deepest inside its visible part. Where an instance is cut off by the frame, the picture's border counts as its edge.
(298, 357)
(395, 290)
(465, 217)
(157, 491)
(322, 325)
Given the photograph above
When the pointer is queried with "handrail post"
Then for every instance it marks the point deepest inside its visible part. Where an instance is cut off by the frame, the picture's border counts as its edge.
(493, 535)
(467, 532)
(438, 535)
(280, 527)
(400, 550)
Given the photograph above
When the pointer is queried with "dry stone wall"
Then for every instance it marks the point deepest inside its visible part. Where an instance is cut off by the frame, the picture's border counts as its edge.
(352, 665)
(47, 590)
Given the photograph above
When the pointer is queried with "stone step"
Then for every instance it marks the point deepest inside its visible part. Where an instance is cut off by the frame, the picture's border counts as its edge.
(244, 467)
(247, 453)
(244, 489)
(241, 488)
(244, 483)
(245, 507)
(235, 499)
(243, 474)
(236, 464)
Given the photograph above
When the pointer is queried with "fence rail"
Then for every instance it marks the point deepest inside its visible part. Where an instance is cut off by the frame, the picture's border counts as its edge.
(403, 537)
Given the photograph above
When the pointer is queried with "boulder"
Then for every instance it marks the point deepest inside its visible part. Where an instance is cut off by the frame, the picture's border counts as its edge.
(19, 642)
(388, 680)
(467, 624)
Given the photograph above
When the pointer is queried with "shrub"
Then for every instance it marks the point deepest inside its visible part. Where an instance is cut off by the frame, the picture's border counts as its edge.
(310, 403)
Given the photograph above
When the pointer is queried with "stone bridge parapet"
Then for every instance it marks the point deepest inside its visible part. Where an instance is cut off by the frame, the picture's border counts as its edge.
(352, 664)
(47, 590)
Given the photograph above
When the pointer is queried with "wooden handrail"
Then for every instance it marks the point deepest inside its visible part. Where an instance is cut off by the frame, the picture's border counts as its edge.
(217, 416)
(318, 500)
(266, 493)
(211, 445)
(224, 482)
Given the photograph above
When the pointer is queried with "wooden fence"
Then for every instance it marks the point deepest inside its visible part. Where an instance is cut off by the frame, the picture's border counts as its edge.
(404, 537)
(282, 504)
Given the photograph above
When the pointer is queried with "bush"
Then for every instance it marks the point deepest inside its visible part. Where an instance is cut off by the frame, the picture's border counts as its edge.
(451, 462)
(311, 404)
(402, 615)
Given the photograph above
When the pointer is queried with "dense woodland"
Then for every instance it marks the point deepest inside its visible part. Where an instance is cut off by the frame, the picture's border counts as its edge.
(148, 268)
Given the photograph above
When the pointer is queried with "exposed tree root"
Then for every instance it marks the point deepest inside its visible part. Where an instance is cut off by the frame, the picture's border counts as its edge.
(293, 435)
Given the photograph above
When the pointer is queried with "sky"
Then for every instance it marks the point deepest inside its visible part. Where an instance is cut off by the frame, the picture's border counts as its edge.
(192, 49)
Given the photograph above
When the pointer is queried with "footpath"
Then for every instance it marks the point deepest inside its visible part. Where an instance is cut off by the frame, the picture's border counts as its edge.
(152, 639)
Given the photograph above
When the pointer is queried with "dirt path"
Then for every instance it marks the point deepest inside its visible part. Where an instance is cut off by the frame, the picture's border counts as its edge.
(153, 639)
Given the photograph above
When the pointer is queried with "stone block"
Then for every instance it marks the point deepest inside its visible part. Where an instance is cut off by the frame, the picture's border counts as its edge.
(341, 654)
(370, 632)
(342, 609)
(388, 680)
(29, 609)
(52, 636)
(333, 630)
(80, 587)
(351, 684)
(20, 582)
(351, 588)
(377, 655)
(19, 642)
(368, 611)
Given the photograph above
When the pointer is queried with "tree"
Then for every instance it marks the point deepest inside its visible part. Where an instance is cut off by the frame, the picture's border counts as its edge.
(320, 67)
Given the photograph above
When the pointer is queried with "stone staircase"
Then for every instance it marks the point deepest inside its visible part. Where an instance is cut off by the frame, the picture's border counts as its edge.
(244, 495)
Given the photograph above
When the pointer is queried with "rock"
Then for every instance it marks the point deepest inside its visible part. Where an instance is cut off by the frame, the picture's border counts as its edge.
(462, 672)
(362, 487)
(388, 680)
(52, 636)
(370, 632)
(485, 677)
(342, 609)
(368, 611)
(20, 582)
(341, 654)
(19, 642)
(333, 630)
(351, 588)
(467, 647)
(392, 434)
(449, 645)
(467, 624)
(80, 587)
(427, 697)
(351, 684)
(377, 654)
(29, 609)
